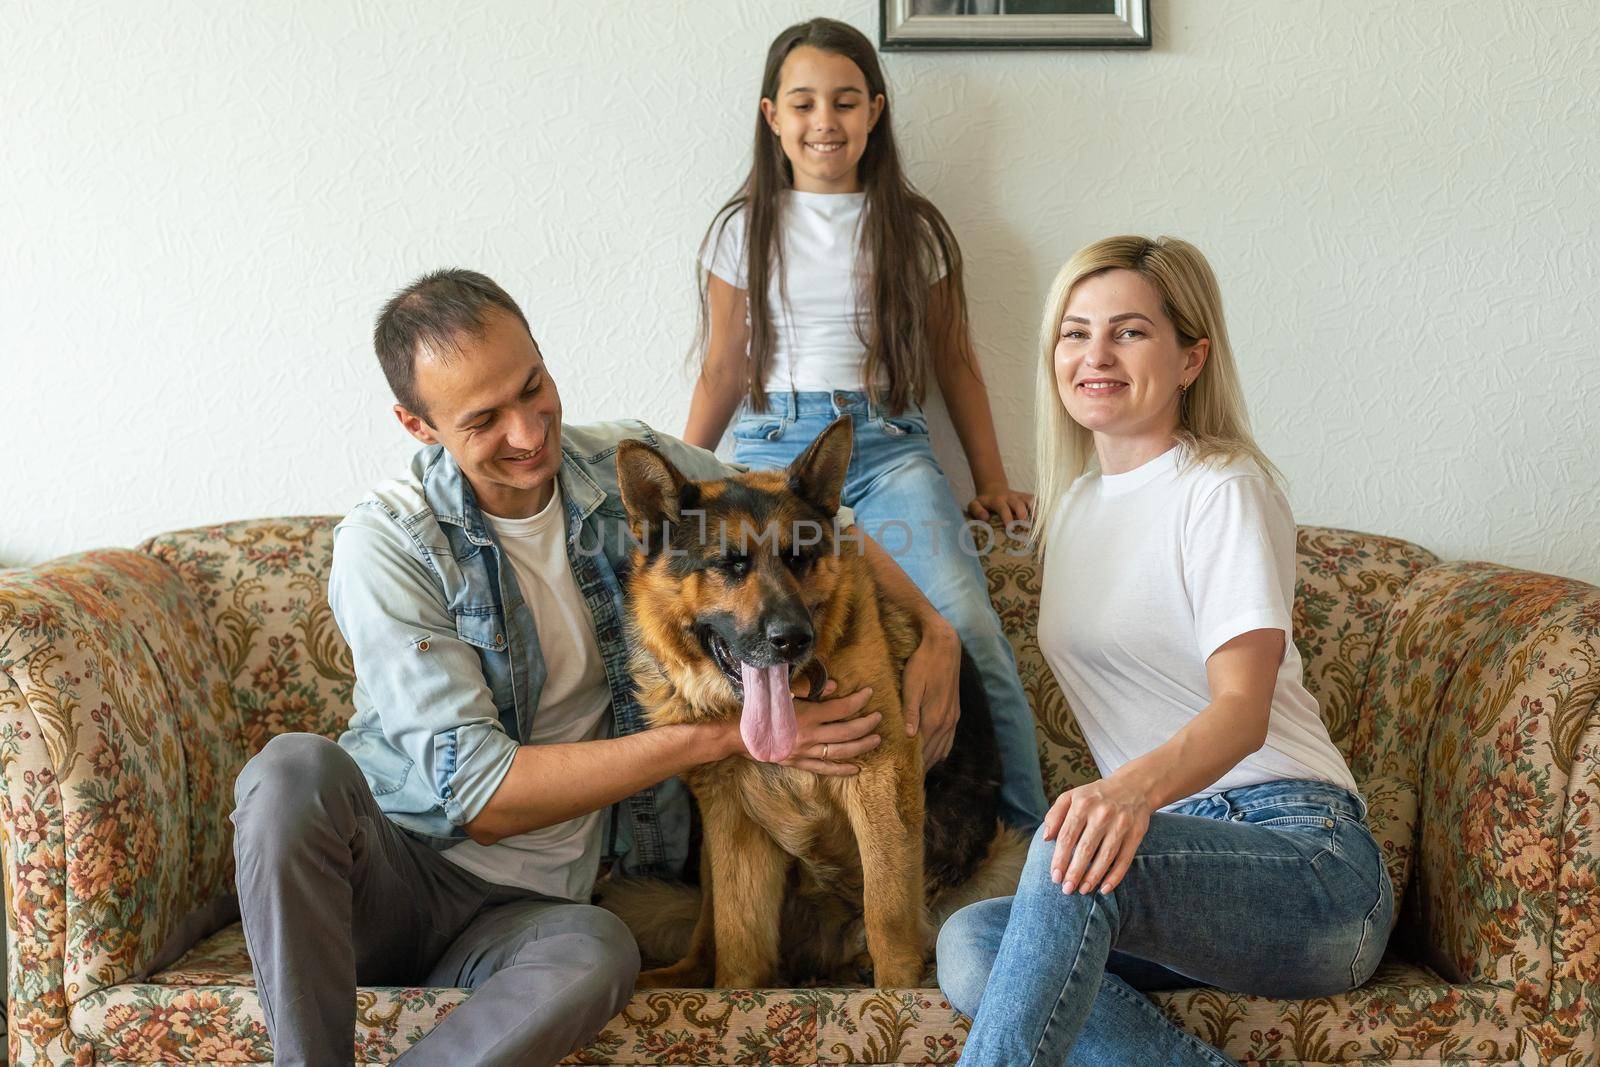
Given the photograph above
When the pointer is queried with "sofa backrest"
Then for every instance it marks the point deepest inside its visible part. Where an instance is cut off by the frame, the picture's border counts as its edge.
(263, 586)
(1345, 582)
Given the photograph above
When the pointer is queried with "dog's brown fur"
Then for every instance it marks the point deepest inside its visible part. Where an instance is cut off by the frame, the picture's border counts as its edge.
(858, 840)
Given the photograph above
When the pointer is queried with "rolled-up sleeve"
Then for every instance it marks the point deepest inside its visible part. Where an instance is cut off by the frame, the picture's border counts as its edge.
(425, 684)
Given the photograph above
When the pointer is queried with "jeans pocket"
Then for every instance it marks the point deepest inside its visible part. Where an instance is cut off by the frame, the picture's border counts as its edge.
(1313, 827)
(906, 424)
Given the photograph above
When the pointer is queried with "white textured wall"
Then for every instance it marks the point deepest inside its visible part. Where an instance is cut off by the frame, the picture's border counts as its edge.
(202, 206)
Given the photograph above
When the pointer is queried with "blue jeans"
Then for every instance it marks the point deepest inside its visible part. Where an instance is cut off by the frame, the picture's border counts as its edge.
(902, 500)
(1275, 889)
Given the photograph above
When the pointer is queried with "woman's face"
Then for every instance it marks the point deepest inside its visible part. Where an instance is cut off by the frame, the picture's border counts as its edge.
(1118, 361)
(823, 116)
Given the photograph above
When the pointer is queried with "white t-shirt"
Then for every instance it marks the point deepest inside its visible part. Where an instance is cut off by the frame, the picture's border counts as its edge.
(817, 343)
(561, 860)
(1149, 572)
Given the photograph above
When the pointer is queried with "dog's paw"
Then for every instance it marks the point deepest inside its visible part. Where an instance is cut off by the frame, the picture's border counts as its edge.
(899, 974)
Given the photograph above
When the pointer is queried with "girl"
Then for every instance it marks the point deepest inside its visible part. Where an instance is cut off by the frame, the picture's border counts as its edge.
(1225, 842)
(859, 295)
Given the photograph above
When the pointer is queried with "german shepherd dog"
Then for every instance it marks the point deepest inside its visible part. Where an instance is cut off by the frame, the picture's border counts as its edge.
(738, 587)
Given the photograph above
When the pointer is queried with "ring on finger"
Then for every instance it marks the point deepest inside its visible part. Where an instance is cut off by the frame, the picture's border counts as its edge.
(824, 752)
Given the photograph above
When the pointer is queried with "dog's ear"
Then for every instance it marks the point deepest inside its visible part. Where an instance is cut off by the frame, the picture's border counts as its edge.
(653, 491)
(818, 474)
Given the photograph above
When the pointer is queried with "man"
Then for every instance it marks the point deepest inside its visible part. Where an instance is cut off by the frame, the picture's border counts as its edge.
(496, 757)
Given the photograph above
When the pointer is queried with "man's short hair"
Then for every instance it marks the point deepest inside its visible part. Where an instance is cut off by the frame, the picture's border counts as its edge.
(430, 315)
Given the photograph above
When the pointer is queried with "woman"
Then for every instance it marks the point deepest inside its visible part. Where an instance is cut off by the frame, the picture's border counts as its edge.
(1224, 843)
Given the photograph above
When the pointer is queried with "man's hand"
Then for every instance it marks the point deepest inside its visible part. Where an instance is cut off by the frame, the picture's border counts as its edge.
(832, 732)
(932, 688)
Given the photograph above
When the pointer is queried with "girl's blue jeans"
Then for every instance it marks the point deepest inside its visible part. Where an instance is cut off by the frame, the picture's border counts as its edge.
(1275, 889)
(902, 500)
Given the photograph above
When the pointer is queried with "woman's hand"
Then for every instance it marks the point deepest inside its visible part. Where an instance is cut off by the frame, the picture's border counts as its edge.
(833, 732)
(1097, 829)
(1002, 500)
(932, 688)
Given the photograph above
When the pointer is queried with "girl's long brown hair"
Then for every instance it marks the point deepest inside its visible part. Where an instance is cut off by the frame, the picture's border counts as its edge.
(903, 235)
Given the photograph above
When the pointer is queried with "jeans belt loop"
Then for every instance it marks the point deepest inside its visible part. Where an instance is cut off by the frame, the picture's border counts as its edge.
(882, 418)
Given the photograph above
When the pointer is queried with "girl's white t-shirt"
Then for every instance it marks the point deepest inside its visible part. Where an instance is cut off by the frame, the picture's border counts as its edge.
(1149, 572)
(818, 330)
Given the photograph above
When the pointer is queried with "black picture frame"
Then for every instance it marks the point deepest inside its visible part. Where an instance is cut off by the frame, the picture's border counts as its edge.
(901, 28)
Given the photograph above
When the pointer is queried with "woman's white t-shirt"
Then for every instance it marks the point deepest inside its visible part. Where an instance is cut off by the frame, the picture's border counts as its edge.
(1149, 572)
(818, 329)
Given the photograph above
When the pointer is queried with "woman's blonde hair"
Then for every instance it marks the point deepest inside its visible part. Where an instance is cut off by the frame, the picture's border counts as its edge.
(1213, 425)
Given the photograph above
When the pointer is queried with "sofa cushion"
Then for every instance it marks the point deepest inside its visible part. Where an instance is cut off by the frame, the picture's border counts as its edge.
(1403, 1014)
(205, 1008)
(151, 1023)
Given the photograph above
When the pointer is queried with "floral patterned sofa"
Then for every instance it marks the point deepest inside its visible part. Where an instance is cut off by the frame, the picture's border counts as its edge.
(135, 683)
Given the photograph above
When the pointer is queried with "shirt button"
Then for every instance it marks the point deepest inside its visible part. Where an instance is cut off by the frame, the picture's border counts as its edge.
(422, 646)
(1328, 823)
(499, 639)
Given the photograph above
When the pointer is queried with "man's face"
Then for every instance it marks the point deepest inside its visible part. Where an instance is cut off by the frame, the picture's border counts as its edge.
(496, 411)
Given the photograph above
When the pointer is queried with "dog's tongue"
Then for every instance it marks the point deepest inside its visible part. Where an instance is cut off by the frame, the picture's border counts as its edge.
(768, 725)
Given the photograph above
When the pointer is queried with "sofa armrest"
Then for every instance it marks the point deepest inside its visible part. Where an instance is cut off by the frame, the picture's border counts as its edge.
(32, 834)
(119, 745)
(1570, 1030)
(1483, 692)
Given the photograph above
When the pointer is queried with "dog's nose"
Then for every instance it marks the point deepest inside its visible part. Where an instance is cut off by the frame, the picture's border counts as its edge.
(789, 639)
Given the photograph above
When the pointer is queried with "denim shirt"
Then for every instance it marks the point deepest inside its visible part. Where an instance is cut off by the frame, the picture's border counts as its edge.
(447, 661)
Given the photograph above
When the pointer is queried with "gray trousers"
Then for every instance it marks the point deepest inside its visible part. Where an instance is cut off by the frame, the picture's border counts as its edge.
(334, 895)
